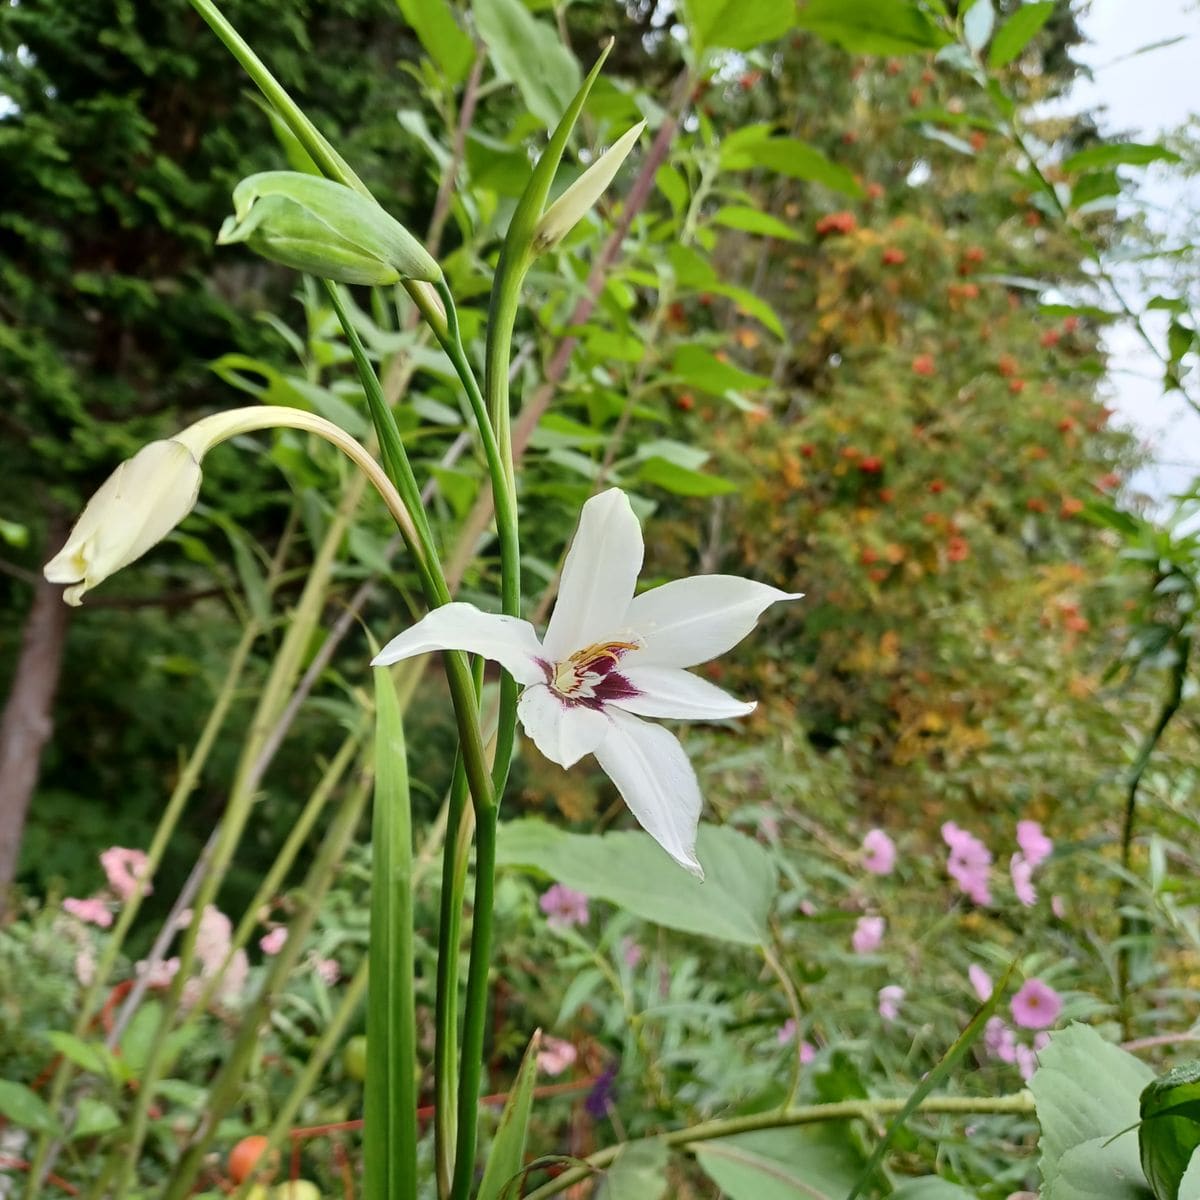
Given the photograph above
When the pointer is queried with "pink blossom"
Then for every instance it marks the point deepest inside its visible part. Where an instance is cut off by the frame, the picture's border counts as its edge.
(999, 1040)
(1057, 907)
(879, 853)
(868, 934)
(807, 1052)
(124, 868)
(890, 999)
(271, 943)
(981, 982)
(1041, 1041)
(969, 862)
(807, 907)
(213, 939)
(1026, 1062)
(1022, 879)
(631, 952)
(1036, 1006)
(327, 970)
(159, 974)
(555, 1055)
(93, 910)
(1034, 844)
(786, 1031)
(564, 907)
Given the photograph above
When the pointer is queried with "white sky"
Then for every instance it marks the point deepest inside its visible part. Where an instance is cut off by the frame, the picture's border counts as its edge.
(1143, 97)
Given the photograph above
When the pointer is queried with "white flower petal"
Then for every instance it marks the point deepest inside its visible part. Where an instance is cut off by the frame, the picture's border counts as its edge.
(654, 777)
(675, 694)
(598, 578)
(692, 620)
(507, 640)
(564, 733)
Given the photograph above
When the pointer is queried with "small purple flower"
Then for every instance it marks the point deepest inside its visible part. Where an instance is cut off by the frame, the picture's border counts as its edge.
(807, 1053)
(981, 982)
(999, 1040)
(890, 999)
(600, 1097)
(879, 853)
(1021, 870)
(786, 1031)
(564, 907)
(969, 862)
(868, 934)
(1026, 1062)
(1036, 1006)
(1034, 844)
(631, 953)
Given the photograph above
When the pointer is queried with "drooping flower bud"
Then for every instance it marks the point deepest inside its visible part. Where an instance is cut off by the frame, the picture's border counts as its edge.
(135, 508)
(324, 228)
(564, 214)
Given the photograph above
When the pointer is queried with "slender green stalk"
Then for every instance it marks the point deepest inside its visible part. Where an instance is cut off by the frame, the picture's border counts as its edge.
(390, 1111)
(1018, 1104)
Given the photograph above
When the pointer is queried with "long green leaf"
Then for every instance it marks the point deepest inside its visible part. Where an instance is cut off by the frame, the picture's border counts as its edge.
(508, 1147)
(390, 1128)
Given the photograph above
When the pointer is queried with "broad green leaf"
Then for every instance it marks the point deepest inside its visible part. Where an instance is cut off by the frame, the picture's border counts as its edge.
(631, 871)
(795, 159)
(639, 1173)
(1181, 339)
(93, 1057)
(736, 150)
(1119, 154)
(94, 1117)
(528, 52)
(508, 1147)
(1093, 186)
(803, 1163)
(1170, 1128)
(139, 1034)
(682, 481)
(750, 220)
(25, 1108)
(752, 306)
(931, 1188)
(872, 26)
(1100, 1169)
(978, 24)
(736, 25)
(1086, 1089)
(1018, 31)
(701, 369)
(440, 36)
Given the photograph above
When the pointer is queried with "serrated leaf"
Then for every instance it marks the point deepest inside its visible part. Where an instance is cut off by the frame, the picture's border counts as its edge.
(1086, 1091)
(25, 1108)
(631, 871)
(736, 25)
(528, 52)
(872, 26)
(1017, 32)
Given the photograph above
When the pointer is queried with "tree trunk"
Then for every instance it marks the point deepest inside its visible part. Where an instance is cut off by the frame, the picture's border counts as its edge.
(27, 721)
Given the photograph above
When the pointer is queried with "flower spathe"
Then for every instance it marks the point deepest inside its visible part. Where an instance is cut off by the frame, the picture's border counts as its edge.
(610, 658)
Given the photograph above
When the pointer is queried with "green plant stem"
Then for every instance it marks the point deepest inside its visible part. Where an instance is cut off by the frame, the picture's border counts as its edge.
(475, 1012)
(189, 777)
(1018, 1104)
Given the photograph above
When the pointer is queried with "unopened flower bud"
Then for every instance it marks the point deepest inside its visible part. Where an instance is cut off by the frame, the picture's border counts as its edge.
(324, 228)
(566, 212)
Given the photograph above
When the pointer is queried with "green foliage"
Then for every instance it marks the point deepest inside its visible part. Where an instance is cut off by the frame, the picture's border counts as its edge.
(782, 1164)
(1170, 1128)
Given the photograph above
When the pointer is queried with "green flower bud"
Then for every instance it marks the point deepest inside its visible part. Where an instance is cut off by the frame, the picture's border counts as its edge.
(325, 229)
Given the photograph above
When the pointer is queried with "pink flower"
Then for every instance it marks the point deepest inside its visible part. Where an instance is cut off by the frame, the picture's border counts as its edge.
(1041, 1041)
(868, 934)
(555, 1055)
(890, 999)
(631, 952)
(879, 853)
(969, 862)
(981, 982)
(1022, 879)
(1036, 1006)
(93, 910)
(1026, 1062)
(124, 868)
(787, 1031)
(327, 970)
(1057, 907)
(1034, 844)
(999, 1041)
(564, 907)
(213, 939)
(159, 974)
(271, 943)
(807, 1053)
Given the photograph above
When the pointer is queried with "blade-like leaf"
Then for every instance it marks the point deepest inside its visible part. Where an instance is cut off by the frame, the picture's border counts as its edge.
(507, 1156)
(1018, 31)
(872, 26)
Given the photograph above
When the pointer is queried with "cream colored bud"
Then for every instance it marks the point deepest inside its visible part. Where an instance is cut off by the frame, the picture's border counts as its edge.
(135, 508)
(565, 213)
(324, 228)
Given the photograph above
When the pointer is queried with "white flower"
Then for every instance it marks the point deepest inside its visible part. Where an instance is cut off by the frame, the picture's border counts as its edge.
(609, 658)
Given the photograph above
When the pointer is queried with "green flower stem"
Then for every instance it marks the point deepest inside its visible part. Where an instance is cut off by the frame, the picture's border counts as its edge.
(1017, 1104)
(183, 789)
(225, 1088)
